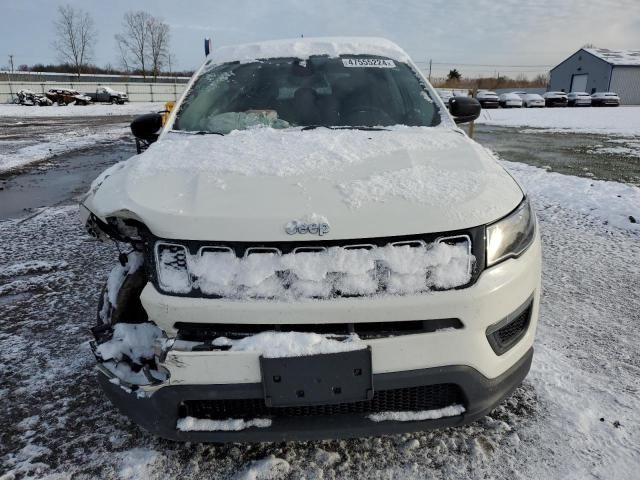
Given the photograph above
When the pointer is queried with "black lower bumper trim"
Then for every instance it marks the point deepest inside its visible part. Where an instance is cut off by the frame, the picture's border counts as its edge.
(159, 413)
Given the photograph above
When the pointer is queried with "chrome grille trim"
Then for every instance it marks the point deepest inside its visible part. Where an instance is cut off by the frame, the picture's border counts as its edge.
(380, 271)
(256, 250)
(310, 249)
(469, 249)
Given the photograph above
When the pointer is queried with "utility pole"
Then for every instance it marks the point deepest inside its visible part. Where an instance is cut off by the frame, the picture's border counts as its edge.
(430, 63)
(11, 69)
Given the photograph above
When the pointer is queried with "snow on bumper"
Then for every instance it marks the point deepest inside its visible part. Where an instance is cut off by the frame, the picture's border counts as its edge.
(500, 291)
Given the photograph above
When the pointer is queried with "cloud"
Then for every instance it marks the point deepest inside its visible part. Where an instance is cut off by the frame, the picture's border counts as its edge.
(513, 32)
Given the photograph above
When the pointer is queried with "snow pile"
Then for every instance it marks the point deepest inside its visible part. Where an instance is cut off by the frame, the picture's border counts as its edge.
(29, 267)
(192, 424)
(292, 344)
(607, 121)
(95, 110)
(420, 183)
(401, 269)
(286, 153)
(138, 463)
(450, 411)
(616, 146)
(610, 202)
(133, 340)
(54, 144)
(269, 468)
(129, 353)
(303, 48)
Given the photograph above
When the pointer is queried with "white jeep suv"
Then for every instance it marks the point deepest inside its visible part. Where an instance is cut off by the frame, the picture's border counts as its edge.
(311, 248)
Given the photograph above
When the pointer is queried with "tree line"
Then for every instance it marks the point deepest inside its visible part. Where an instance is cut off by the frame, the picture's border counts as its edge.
(143, 43)
(455, 80)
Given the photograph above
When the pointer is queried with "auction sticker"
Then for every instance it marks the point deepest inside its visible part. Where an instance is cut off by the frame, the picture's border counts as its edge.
(368, 62)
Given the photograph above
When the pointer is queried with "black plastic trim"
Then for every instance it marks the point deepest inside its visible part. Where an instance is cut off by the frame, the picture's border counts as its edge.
(500, 347)
(158, 413)
(202, 332)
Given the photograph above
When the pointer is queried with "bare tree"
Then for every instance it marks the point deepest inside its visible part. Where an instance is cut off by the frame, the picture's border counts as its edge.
(158, 45)
(144, 43)
(134, 40)
(75, 35)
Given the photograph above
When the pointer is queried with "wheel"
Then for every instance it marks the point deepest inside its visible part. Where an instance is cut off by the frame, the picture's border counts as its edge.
(129, 307)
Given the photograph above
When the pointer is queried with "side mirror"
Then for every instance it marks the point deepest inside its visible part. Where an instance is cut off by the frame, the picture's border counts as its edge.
(145, 127)
(464, 109)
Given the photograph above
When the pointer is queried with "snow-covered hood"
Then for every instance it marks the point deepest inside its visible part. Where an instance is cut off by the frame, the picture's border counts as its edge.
(246, 186)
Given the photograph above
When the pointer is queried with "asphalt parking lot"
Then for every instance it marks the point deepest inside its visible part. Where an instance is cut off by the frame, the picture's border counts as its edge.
(574, 417)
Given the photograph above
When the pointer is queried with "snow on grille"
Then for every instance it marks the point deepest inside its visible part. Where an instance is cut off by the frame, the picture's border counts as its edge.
(399, 268)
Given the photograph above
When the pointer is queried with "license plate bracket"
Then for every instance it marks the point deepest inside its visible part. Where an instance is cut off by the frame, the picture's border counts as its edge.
(329, 378)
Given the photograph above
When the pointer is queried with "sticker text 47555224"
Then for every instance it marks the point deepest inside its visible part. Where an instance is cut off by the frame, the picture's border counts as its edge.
(368, 62)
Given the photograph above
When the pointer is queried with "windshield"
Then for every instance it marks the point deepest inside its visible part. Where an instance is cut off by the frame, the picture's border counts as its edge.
(321, 91)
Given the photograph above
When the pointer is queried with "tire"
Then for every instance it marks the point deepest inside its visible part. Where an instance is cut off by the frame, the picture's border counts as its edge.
(128, 306)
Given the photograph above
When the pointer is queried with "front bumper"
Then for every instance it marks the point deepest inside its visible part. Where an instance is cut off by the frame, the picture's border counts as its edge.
(159, 413)
(460, 356)
(498, 292)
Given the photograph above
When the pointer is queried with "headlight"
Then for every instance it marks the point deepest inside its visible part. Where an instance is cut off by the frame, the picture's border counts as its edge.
(512, 235)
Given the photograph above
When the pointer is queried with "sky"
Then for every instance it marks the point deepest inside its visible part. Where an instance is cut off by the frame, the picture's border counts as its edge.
(478, 37)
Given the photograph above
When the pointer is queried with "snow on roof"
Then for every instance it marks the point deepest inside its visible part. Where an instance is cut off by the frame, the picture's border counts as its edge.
(616, 57)
(303, 48)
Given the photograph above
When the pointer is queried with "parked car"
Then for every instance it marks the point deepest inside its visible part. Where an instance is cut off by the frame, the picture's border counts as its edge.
(605, 99)
(281, 280)
(108, 95)
(555, 99)
(30, 98)
(531, 100)
(579, 99)
(445, 95)
(510, 100)
(65, 96)
(488, 99)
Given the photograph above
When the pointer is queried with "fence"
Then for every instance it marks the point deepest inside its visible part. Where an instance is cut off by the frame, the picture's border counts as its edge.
(138, 92)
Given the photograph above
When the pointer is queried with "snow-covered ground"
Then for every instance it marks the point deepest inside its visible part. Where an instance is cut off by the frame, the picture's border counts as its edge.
(19, 153)
(94, 110)
(623, 120)
(575, 417)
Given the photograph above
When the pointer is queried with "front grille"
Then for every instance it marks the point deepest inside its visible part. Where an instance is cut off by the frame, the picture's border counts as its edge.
(184, 268)
(506, 333)
(427, 397)
(513, 329)
(203, 332)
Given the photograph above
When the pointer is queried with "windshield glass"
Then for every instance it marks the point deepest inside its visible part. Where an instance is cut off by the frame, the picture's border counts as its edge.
(321, 91)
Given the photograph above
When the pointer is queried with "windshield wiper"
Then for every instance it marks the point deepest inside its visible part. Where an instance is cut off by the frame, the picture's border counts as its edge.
(197, 132)
(202, 132)
(344, 127)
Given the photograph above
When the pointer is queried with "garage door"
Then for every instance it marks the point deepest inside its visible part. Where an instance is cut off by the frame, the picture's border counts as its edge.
(579, 83)
(625, 81)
